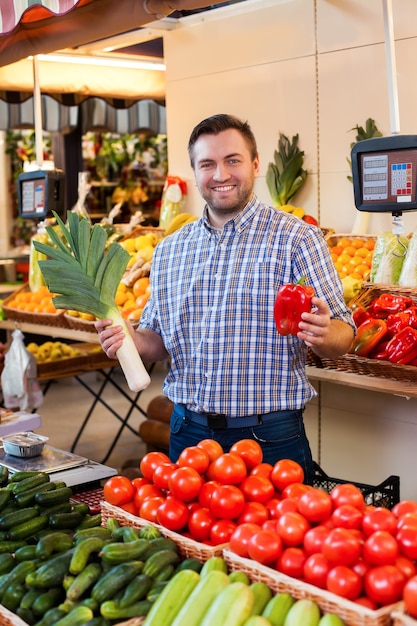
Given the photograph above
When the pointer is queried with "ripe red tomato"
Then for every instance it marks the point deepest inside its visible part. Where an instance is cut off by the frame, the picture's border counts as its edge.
(228, 469)
(206, 491)
(407, 566)
(380, 548)
(264, 547)
(285, 505)
(295, 490)
(316, 569)
(212, 447)
(341, 547)
(254, 512)
(315, 505)
(344, 582)
(347, 516)
(367, 603)
(361, 567)
(150, 461)
(379, 518)
(173, 514)
(404, 506)
(271, 505)
(407, 519)
(291, 562)
(227, 502)
(410, 596)
(200, 522)
(130, 507)
(118, 490)
(407, 542)
(347, 493)
(263, 469)
(384, 584)
(221, 531)
(292, 527)
(149, 508)
(314, 537)
(250, 451)
(162, 473)
(240, 537)
(285, 472)
(185, 483)
(145, 492)
(257, 488)
(194, 457)
(139, 481)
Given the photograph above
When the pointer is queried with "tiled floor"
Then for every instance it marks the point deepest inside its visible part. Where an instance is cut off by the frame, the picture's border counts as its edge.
(67, 402)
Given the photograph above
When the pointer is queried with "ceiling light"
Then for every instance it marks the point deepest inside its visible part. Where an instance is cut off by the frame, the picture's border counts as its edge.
(102, 61)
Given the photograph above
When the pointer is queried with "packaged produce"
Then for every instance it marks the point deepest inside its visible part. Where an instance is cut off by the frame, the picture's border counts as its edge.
(388, 258)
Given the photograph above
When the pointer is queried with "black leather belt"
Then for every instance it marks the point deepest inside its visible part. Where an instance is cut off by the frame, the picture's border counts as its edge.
(218, 421)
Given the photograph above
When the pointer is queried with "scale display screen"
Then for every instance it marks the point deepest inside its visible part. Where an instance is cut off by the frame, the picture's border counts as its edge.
(384, 172)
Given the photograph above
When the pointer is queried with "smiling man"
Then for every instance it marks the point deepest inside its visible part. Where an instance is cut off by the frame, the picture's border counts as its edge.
(213, 286)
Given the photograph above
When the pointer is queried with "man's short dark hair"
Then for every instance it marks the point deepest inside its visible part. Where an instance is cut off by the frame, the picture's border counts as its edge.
(218, 123)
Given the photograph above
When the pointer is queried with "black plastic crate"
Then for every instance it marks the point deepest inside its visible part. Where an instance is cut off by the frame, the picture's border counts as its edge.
(386, 494)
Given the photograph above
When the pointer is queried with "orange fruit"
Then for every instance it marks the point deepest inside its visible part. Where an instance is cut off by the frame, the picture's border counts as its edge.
(142, 300)
(140, 286)
(350, 250)
(357, 243)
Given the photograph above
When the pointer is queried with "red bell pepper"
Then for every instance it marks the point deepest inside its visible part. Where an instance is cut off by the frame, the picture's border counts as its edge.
(368, 335)
(402, 348)
(360, 315)
(398, 321)
(291, 301)
(388, 303)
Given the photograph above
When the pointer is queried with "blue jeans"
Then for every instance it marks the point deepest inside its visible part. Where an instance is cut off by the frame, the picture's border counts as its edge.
(283, 438)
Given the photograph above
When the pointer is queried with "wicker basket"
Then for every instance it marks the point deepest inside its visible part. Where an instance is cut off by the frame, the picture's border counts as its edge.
(400, 617)
(187, 547)
(144, 230)
(351, 613)
(44, 319)
(334, 238)
(76, 323)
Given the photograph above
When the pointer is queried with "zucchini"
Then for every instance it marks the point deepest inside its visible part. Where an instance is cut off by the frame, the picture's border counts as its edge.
(118, 552)
(48, 600)
(172, 597)
(112, 610)
(56, 496)
(117, 578)
(257, 620)
(214, 563)
(136, 590)
(305, 612)
(331, 619)
(52, 573)
(239, 576)
(53, 541)
(262, 595)
(155, 563)
(28, 529)
(231, 607)
(12, 519)
(84, 581)
(200, 599)
(82, 552)
(278, 608)
(78, 616)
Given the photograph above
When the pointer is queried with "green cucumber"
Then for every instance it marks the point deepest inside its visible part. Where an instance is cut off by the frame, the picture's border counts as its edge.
(240, 577)
(149, 532)
(7, 562)
(331, 619)
(85, 579)
(26, 615)
(262, 595)
(112, 610)
(18, 476)
(278, 608)
(81, 507)
(257, 620)
(4, 475)
(63, 507)
(232, 606)
(158, 544)
(12, 519)
(5, 495)
(200, 599)
(29, 598)
(28, 483)
(52, 572)
(112, 524)
(117, 578)
(190, 563)
(77, 617)
(214, 563)
(305, 612)
(96, 531)
(136, 590)
(56, 496)
(51, 617)
(155, 563)
(82, 552)
(172, 597)
(26, 553)
(53, 541)
(27, 498)
(16, 575)
(10, 546)
(165, 573)
(156, 589)
(61, 521)
(89, 520)
(48, 600)
(28, 529)
(98, 621)
(118, 552)
(13, 595)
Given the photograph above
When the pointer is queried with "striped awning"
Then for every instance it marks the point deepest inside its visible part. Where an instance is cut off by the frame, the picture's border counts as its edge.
(97, 115)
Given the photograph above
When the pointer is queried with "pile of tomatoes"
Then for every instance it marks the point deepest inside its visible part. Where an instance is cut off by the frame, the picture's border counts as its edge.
(334, 540)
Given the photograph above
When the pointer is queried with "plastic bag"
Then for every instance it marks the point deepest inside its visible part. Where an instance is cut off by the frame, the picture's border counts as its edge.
(19, 377)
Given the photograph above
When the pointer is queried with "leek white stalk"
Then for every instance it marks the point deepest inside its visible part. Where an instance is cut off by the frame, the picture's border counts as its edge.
(85, 276)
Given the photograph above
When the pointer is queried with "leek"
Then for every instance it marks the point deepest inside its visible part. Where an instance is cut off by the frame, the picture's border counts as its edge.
(85, 276)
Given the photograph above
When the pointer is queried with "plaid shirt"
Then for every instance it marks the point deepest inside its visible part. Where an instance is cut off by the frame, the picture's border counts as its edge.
(212, 301)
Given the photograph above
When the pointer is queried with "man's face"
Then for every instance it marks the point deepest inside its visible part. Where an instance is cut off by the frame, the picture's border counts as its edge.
(224, 171)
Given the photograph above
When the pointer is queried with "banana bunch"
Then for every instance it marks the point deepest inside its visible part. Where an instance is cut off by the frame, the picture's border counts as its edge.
(295, 210)
(285, 175)
(178, 222)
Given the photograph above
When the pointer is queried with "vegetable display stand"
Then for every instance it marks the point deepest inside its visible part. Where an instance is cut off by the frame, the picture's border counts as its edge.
(48, 319)
(350, 612)
(401, 618)
(187, 547)
(386, 494)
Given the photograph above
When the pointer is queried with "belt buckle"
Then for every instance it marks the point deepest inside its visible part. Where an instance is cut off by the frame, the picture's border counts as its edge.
(216, 421)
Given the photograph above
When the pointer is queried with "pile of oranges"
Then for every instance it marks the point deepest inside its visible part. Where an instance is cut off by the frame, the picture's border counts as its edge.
(131, 300)
(352, 256)
(39, 301)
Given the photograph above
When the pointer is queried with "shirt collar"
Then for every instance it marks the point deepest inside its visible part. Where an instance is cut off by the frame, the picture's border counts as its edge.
(239, 221)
